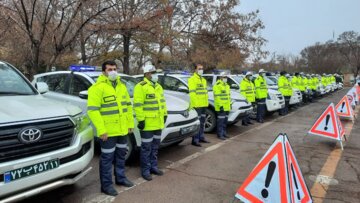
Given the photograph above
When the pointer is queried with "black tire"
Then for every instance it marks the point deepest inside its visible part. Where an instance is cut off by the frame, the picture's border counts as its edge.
(210, 121)
(132, 152)
(270, 113)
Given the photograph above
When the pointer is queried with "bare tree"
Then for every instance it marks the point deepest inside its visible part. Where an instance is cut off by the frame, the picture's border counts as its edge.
(349, 47)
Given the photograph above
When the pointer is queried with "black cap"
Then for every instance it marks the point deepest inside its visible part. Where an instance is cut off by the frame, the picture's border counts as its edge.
(282, 72)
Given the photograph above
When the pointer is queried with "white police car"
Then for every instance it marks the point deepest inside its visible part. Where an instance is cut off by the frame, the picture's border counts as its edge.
(72, 86)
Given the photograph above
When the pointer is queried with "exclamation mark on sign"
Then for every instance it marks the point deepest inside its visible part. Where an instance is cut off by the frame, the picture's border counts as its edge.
(327, 122)
(269, 175)
(297, 189)
(342, 107)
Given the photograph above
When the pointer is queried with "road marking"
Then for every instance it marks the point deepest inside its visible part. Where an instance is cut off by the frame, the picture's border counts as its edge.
(319, 189)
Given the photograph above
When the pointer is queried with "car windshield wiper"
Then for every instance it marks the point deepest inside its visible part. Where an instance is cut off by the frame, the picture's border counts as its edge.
(15, 93)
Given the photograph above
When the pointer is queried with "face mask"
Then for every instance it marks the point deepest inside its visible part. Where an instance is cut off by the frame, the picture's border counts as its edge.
(112, 75)
(154, 78)
(224, 80)
(200, 72)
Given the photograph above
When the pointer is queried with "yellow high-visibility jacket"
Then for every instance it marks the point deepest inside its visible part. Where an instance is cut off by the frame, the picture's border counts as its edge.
(110, 108)
(261, 90)
(222, 98)
(150, 104)
(247, 89)
(198, 91)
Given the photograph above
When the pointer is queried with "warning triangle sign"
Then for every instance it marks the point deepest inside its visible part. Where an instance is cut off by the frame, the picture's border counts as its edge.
(299, 192)
(276, 178)
(343, 108)
(268, 181)
(327, 125)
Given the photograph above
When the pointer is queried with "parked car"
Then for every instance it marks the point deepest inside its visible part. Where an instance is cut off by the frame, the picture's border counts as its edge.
(44, 144)
(274, 100)
(72, 86)
(177, 84)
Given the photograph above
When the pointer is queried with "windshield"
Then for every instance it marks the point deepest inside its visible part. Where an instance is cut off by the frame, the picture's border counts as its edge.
(271, 80)
(12, 83)
(185, 79)
(129, 81)
(237, 78)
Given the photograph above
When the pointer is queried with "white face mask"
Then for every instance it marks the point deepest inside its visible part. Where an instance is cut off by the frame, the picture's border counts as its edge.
(224, 80)
(154, 78)
(112, 75)
(200, 72)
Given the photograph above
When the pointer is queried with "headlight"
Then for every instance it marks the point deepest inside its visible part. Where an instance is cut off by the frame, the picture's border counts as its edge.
(81, 122)
(272, 96)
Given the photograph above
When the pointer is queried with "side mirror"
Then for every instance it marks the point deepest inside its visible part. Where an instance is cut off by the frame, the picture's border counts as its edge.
(83, 94)
(234, 86)
(183, 89)
(42, 87)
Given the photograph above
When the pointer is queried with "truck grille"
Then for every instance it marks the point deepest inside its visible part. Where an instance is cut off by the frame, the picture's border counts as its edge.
(57, 134)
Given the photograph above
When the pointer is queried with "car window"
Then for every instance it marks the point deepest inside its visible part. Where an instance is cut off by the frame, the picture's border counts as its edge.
(12, 83)
(56, 82)
(270, 81)
(209, 80)
(171, 83)
(78, 84)
(232, 83)
(237, 78)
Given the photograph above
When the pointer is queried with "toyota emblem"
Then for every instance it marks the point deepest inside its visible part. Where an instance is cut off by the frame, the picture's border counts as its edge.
(30, 135)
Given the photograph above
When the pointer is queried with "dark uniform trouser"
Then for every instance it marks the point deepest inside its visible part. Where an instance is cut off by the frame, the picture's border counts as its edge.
(287, 104)
(261, 109)
(202, 116)
(304, 97)
(246, 119)
(222, 117)
(150, 141)
(112, 147)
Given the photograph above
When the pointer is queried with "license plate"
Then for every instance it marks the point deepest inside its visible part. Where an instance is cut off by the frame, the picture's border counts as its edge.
(186, 130)
(30, 170)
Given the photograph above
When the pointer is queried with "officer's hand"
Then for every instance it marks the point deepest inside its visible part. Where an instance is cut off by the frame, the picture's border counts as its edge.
(141, 125)
(104, 137)
(130, 130)
(165, 118)
(221, 109)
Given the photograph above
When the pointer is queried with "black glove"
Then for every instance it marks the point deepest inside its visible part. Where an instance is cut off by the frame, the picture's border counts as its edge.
(221, 109)
(165, 118)
(141, 125)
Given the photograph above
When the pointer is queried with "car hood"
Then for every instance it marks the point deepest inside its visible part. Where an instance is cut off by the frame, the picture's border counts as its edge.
(32, 107)
(175, 104)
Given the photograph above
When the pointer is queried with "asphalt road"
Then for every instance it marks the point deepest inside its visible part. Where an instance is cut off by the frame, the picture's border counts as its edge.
(214, 172)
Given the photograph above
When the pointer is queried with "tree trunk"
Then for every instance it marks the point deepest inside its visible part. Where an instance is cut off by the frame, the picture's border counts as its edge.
(82, 48)
(126, 58)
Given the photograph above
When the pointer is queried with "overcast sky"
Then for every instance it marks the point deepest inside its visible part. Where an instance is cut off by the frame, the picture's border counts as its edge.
(292, 25)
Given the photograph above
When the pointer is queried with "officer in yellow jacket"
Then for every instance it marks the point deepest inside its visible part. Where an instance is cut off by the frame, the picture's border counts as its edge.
(261, 92)
(221, 91)
(286, 91)
(151, 114)
(247, 89)
(199, 100)
(110, 110)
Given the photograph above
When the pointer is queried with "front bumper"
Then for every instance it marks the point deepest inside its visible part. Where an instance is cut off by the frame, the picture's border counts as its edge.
(239, 110)
(274, 105)
(73, 160)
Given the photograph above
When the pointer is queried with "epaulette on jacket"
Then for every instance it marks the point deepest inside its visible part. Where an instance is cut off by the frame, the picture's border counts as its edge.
(143, 83)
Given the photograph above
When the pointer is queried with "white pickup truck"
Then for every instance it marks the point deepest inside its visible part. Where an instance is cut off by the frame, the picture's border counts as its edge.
(44, 144)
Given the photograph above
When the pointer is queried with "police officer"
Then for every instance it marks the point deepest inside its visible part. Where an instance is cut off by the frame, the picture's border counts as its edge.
(109, 108)
(221, 91)
(247, 89)
(199, 101)
(151, 114)
(261, 92)
(286, 91)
